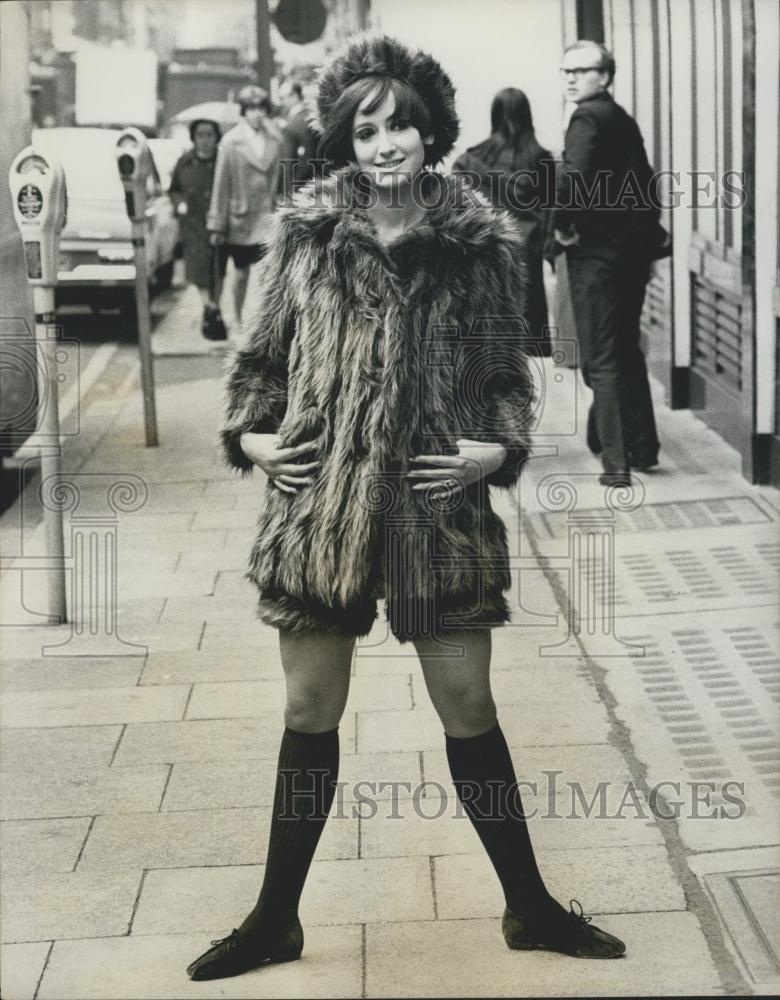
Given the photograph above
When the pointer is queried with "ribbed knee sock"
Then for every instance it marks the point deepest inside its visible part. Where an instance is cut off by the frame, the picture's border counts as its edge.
(305, 786)
(485, 782)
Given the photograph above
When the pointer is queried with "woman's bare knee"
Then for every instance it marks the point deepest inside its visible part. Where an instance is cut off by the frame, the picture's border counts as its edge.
(466, 713)
(316, 670)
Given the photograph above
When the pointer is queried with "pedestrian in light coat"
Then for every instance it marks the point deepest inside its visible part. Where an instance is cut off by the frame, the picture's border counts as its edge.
(383, 391)
(246, 182)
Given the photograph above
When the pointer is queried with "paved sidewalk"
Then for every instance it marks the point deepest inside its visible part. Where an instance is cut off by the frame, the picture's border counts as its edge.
(137, 787)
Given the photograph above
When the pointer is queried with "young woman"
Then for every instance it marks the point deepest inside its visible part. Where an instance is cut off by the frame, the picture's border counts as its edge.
(190, 191)
(515, 173)
(382, 392)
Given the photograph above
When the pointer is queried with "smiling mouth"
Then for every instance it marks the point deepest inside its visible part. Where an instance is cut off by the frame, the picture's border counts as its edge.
(389, 164)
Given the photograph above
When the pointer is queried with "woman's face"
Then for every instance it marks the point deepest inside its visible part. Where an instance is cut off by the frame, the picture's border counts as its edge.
(205, 139)
(389, 149)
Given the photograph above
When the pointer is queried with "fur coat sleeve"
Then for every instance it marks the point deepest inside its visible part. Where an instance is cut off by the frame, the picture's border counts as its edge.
(495, 388)
(257, 374)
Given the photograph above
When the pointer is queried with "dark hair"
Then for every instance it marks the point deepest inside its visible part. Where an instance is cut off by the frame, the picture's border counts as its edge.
(336, 141)
(512, 132)
(204, 121)
(607, 61)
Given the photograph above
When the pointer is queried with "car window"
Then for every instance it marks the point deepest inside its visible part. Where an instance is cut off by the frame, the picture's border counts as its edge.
(87, 158)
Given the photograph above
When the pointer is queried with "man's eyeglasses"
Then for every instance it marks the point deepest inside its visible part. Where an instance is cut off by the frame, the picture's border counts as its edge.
(579, 71)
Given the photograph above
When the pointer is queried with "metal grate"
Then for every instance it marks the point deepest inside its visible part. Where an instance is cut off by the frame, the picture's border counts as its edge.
(683, 579)
(717, 512)
(716, 325)
(699, 688)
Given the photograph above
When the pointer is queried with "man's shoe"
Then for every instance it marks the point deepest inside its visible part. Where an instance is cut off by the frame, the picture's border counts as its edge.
(569, 933)
(592, 435)
(235, 954)
(643, 462)
(615, 479)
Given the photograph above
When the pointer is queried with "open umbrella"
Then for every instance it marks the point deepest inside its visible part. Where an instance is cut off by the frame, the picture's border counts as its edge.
(224, 113)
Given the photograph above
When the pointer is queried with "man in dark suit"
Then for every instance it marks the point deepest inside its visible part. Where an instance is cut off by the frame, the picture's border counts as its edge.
(605, 220)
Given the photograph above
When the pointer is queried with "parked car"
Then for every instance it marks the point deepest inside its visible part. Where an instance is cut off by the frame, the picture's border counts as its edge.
(96, 253)
(166, 153)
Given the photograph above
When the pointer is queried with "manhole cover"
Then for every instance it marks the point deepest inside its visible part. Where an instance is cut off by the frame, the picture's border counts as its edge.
(749, 904)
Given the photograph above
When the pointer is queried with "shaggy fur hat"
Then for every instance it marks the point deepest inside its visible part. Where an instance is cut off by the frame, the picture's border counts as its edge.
(380, 55)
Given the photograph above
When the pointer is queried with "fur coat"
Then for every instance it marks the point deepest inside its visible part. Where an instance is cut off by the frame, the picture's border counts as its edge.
(380, 355)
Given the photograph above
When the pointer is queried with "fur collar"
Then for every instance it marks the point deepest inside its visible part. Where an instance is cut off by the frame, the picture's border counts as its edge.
(460, 224)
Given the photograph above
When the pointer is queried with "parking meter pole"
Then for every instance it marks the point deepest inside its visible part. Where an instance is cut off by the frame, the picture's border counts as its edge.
(145, 336)
(135, 164)
(39, 199)
(49, 432)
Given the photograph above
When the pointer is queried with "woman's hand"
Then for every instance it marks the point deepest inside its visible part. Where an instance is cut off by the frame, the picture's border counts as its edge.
(453, 473)
(280, 464)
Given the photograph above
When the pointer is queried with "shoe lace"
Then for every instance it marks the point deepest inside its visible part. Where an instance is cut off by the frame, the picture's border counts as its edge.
(578, 915)
(230, 942)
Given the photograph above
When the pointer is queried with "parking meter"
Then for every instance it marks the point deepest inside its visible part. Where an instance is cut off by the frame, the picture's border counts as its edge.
(134, 162)
(39, 199)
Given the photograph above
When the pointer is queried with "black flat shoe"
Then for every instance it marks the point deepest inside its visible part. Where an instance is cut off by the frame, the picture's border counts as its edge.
(570, 933)
(235, 954)
(615, 479)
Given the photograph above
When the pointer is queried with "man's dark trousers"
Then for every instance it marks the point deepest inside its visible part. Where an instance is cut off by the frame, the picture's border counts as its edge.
(607, 283)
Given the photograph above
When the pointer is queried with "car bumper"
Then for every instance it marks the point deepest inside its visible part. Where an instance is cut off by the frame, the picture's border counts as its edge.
(98, 274)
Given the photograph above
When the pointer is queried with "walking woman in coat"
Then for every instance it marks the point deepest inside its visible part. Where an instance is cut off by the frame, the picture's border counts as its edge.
(190, 191)
(514, 172)
(382, 391)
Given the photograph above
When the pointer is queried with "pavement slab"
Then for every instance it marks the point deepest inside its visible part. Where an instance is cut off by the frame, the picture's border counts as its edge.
(152, 967)
(235, 784)
(241, 699)
(37, 846)
(436, 825)
(203, 668)
(93, 706)
(66, 790)
(198, 837)
(211, 740)
(581, 722)
(21, 966)
(36, 674)
(554, 771)
(435, 961)
(337, 892)
(74, 905)
(605, 879)
(29, 750)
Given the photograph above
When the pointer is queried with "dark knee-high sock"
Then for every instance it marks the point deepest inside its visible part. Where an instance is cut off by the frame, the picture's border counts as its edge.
(305, 786)
(485, 782)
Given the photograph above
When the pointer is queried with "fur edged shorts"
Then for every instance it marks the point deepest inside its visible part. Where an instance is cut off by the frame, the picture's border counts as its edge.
(407, 618)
